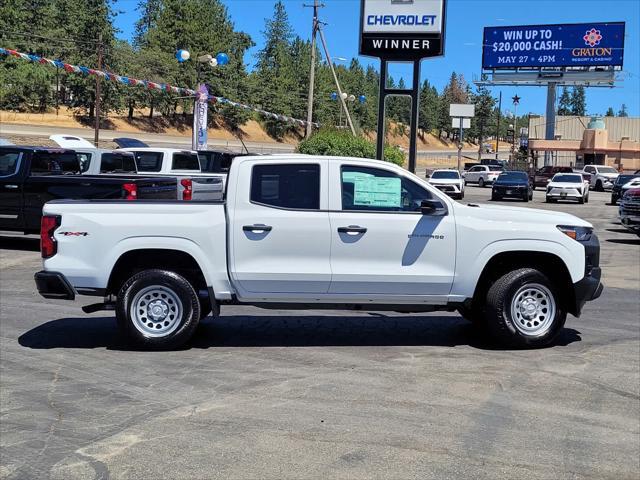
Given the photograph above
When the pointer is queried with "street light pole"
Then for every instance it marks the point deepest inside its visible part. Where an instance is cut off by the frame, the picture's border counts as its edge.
(96, 128)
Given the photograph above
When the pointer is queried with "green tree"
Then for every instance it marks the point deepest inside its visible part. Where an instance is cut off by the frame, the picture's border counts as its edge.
(610, 112)
(623, 111)
(485, 104)
(578, 101)
(564, 105)
(428, 115)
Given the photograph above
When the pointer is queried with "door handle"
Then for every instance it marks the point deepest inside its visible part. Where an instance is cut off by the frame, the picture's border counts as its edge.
(11, 187)
(257, 228)
(352, 230)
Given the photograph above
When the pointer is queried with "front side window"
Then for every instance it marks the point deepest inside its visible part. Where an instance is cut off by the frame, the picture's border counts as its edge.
(117, 163)
(185, 161)
(373, 189)
(149, 161)
(295, 186)
(85, 161)
(9, 163)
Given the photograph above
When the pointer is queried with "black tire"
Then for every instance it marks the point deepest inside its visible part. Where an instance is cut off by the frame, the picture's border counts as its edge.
(550, 200)
(205, 307)
(531, 196)
(525, 198)
(499, 316)
(599, 187)
(614, 200)
(581, 200)
(481, 182)
(176, 286)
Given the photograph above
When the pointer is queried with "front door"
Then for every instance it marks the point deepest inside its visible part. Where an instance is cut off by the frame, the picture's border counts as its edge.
(11, 211)
(382, 246)
(280, 234)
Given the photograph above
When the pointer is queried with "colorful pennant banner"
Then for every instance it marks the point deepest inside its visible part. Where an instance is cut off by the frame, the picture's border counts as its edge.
(146, 84)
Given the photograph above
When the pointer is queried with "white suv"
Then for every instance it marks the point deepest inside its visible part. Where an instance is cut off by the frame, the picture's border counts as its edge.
(602, 177)
(483, 174)
(448, 181)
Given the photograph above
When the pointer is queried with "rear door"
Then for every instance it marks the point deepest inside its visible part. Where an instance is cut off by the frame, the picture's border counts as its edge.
(279, 230)
(12, 165)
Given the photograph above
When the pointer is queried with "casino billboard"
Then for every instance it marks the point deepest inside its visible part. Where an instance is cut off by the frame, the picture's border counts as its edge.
(567, 45)
(402, 30)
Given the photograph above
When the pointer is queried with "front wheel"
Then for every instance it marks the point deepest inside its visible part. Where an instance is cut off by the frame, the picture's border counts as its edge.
(481, 182)
(599, 187)
(523, 309)
(157, 309)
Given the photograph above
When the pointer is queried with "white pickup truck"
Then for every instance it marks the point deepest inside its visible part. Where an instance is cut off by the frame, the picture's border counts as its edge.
(193, 184)
(302, 232)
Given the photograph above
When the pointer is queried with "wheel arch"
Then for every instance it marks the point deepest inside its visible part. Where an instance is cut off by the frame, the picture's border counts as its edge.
(550, 264)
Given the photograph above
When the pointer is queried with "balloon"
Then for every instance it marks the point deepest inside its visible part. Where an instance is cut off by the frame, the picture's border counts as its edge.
(182, 55)
(334, 96)
(213, 62)
(362, 99)
(222, 59)
(352, 98)
(344, 95)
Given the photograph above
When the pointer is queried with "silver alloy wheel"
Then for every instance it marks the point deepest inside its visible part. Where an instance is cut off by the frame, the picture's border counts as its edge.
(533, 309)
(156, 311)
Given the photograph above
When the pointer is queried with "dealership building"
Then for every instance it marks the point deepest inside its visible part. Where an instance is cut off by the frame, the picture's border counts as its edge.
(578, 141)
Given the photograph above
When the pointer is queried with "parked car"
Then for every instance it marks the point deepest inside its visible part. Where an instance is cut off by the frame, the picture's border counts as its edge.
(185, 166)
(483, 174)
(325, 232)
(217, 161)
(567, 186)
(602, 177)
(512, 184)
(97, 161)
(629, 211)
(448, 181)
(542, 176)
(32, 176)
(621, 185)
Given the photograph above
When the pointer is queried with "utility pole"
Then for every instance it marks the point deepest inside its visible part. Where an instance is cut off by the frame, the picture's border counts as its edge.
(498, 126)
(516, 101)
(312, 72)
(335, 78)
(96, 135)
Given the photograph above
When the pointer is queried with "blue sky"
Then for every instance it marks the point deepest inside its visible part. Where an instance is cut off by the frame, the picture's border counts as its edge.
(463, 52)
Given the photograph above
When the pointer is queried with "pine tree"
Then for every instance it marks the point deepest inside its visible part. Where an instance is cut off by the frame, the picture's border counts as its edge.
(428, 117)
(564, 105)
(578, 101)
(623, 111)
(610, 112)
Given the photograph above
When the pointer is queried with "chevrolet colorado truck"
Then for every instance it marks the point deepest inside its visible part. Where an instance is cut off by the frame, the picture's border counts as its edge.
(300, 232)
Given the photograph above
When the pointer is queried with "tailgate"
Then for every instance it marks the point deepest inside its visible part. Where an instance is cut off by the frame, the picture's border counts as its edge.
(157, 188)
(204, 188)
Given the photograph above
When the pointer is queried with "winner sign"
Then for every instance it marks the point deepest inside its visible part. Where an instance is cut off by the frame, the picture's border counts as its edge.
(569, 45)
(403, 30)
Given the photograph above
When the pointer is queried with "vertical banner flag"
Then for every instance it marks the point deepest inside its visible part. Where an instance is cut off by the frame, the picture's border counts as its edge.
(199, 139)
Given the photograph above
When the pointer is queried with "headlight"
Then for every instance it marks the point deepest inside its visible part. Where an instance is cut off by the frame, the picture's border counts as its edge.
(579, 234)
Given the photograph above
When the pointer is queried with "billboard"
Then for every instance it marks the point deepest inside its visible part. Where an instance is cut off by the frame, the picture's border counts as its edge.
(402, 30)
(567, 45)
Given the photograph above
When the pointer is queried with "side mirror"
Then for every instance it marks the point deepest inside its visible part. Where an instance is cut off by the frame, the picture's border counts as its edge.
(428, 207)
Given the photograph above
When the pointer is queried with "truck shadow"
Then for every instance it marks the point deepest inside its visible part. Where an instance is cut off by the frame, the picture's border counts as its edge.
(283, 331)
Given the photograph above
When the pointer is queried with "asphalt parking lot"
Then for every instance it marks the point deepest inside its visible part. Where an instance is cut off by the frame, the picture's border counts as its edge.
(274, 394)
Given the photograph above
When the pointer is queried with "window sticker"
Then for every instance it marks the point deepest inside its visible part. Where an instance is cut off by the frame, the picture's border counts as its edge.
(372, 191)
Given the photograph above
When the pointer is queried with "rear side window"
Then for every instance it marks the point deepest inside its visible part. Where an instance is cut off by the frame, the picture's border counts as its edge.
(294, 186)
(185, 161)
(117, 163)
(45, 163)
(149, 161)
(9, 163)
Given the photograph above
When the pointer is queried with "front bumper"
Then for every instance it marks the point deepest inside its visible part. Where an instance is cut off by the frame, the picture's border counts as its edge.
(560, 193)
(449, 188)
(590, 287)
(54, 285)
(510, 191)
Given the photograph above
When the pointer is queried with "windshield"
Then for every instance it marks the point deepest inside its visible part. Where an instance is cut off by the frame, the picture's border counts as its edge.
(607, 170)
(496, 168)
(185, 161)
(568, 178)
(625, 178)
(445, 174)
(513, 176)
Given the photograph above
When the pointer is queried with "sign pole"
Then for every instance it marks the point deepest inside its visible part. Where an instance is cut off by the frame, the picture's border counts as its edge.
(381, 110)
(461, 135)
(415, 104)
(550, 119)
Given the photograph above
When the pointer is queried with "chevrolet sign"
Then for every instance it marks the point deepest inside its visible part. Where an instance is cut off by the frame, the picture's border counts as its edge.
(402, 29)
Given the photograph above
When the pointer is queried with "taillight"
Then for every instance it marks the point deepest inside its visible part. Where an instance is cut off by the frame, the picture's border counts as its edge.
(48, 244)
(187, 185)
(130, 190)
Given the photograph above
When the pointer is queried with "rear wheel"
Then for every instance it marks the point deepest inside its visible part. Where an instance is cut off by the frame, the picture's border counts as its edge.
(550, 200)
(523, 309)
(481, 182)
(586, 199)
(157, 309)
